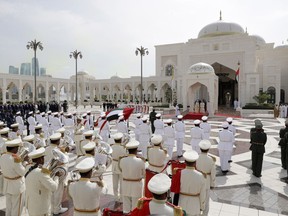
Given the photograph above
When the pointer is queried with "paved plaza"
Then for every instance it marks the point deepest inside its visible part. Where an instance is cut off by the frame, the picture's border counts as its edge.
(237, 193)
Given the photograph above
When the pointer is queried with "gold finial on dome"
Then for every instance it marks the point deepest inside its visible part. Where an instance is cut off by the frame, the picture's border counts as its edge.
(220, 15)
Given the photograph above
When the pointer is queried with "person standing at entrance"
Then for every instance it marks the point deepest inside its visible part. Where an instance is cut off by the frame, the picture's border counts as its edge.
(152, 118)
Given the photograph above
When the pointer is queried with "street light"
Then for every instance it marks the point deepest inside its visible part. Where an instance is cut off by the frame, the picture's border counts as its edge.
(142, 51)
(75, 54)
(34, 45)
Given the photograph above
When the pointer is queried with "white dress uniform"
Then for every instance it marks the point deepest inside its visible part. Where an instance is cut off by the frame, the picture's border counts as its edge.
(225, 146)
(179, 135)
(137, 123)
(169, 140)
(69, 125)
(38, 117)
(192, 187)
(197, 135)
(157, 156)
(84, 193)
(14, 182)
(45, 126)
(20, 121)
(159, 127)
(90, 119)
(40, 141)
(39, 188)
(206, 127)
(206, 165)
(105, 131)
(32, 124)
(133, 172)
(78, 137)
(145, 133)
(118, 152)
(122, 127)
(56, 124)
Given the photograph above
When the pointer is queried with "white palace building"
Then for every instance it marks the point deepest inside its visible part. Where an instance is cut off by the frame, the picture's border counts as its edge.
(202, 68)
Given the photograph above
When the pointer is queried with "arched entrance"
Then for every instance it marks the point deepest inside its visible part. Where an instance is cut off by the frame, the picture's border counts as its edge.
(228, 86)
(197, 93)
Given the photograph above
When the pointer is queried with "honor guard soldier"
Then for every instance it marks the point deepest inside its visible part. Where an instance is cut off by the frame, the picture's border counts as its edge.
(104, 129)
(58, 194)
(145, 134)
(14, 133)
(138, 121)
(69, 124)
(233, 130)
(14, 182)
(38, 116)
(122, 126)
(159, 186)
(157, 156)
(20, 121)
(133, 172)
(192, 186)
(40, 140)
(169, 138)
(159, 125)
(32, 123)
(84, 193)
(88, 136)
(206, 165)
(45, 125)
(56, 123)
(225, 147)
(282, 144)
(197, 135)
(179, 135)
(39, 185)
(90, 119)
(118, 152)
(206, 127)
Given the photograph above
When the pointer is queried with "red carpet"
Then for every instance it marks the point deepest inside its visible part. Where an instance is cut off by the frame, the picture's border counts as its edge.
(192, 115)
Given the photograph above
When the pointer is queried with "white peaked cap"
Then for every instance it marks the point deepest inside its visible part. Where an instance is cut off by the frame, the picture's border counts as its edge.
(85, 165)
(88, 133)
(13, 143)
(37, 153)
(117, 136)
(55, 136)
(196, 122)
(156, 139)
(29, 138)
(204, 118)
(159, 184)
(191, 156)
(89, 146)
(132, 144)
(205, 144)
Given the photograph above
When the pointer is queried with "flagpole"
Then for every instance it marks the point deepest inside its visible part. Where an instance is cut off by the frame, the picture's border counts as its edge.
(239, 90)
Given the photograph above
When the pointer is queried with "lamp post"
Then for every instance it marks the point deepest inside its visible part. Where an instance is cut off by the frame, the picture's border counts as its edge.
(142, 51)
(34, 45)
(75, 54)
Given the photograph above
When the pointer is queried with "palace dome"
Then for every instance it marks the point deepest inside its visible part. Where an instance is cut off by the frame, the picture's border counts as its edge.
(201, 68)
(220, 28)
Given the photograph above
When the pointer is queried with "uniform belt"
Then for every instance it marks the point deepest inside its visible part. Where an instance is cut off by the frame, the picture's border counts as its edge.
(115, 160)
(133, 180)
(87, 211)
(257, 143)
(189, 194)
(156, 165)
(14, 178)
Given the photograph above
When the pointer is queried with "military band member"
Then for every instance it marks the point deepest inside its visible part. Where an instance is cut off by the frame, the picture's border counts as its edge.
(32, 123)
(104, 129)
(157, 156)
(89, 149)
(19, 120)
(88, 137)
(122, 125)
(159, 125)
(206, 165)
(14, 182)
(90, 119)
(169, 138)
(133, 172)
(78, 135)
(138, 121)
(69, 125)
(179, 135)
(40, 140)
(37, 116)
(85, 122)
(192, 186)
(144, 136)
(197, 134)
(206, 127)
(4, 136)
(225, 147)
(14, 133)
(119, 151)
(45, 125)
(30, 139)
(39, 185)
(159, 186)
(84, 193)
(56, 123)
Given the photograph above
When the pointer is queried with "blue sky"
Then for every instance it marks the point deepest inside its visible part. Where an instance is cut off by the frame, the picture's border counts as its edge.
(108, 31)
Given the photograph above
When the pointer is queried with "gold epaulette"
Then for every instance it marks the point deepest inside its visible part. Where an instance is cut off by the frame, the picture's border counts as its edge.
(178, 211)
(140, 203)
(100, 183)
(45, 171)
(175, 170)
(17, 159)
(213, 158)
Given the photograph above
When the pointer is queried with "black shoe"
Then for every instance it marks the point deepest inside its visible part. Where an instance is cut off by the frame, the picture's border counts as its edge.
(229, 161)
(180, 156)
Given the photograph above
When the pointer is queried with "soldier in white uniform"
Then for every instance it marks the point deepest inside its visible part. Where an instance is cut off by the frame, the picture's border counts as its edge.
(156, 155)
(133, 172)
(14, 133)
(40, 140)
(37, 116)
(179, 135)
(206, 127)
(58, 194)
(225, 147)
(105, 131)
(119, 151)
(20, 121)
(14, 182)
(56, 123)
(138, 121)
(197, 135)
(30, 139)
(90, 119)
(144, 136)
(39, 185)
(122, 125)
(169, 138)
(69, 125)
(159, 186)
(4, 136)
(192, 186)
(85, 122)
(32, 123)
(206, 165)
(88, 137)
(84, 193)
(78, 135)
(45, 125)
(233, 130)
(159, 125)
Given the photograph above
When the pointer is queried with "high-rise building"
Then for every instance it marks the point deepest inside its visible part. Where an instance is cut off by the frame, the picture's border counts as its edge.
(33, 66)
(42, 71)
(13, 70)
(25, 69)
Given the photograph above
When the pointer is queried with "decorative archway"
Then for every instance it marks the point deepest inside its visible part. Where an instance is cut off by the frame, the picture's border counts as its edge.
(27, 94)
(52, 93)
(41, 93)
(166, 93)
(197, 92)
(12, 92)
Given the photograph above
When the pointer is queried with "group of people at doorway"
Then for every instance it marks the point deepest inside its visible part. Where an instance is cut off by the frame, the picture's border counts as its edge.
(200, 106)
(281, 111)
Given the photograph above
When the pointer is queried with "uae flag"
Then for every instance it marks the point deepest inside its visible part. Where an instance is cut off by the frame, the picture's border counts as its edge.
(237, 75)
(114, 114)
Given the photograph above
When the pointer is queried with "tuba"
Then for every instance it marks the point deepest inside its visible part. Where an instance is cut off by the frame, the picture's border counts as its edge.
(126, 138)
(105, 149)
(55, 165)
(25, 149)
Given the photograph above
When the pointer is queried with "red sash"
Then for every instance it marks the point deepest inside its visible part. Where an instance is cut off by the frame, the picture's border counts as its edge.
(176, 167)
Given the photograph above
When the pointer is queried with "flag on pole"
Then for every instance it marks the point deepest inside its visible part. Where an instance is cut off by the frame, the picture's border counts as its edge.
(237, 74)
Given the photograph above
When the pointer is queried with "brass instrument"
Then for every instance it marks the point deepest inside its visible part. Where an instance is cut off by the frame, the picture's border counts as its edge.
(25, 149)
(126, 138)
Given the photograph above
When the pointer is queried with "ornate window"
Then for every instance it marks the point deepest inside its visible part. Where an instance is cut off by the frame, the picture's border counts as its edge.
(169, 70)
